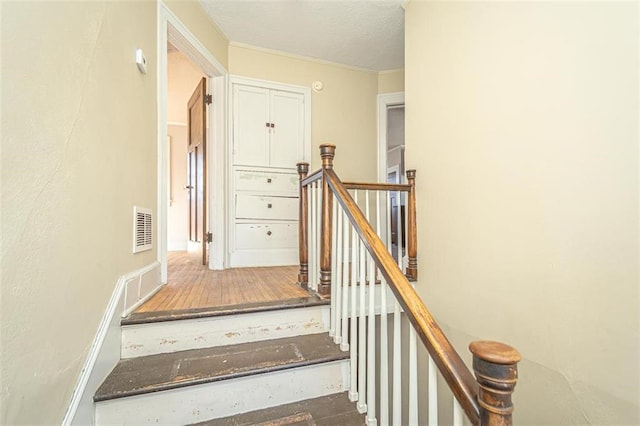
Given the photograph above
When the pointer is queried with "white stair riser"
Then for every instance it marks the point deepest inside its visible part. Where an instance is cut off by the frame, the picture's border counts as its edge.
(173, 336)
(227, 397)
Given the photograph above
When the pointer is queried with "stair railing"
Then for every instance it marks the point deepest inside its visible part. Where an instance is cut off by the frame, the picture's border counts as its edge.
(343, 257)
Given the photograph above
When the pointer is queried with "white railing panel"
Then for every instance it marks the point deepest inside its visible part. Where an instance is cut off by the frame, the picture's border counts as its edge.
(433, 393)
(362, 328)
(413, 377)
(345, 280)
(353, 394)
(334, 272)
(313, 234)
(457, 413)
(384, 342)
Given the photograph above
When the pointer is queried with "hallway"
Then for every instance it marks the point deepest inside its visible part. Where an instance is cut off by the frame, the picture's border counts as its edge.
(192, 286)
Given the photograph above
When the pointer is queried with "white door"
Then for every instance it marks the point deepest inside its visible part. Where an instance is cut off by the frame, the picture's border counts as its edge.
(251, 125)
(287, 131)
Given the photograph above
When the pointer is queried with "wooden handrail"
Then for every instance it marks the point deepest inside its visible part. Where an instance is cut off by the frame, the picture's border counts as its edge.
(455, 372)
(317, 175)
(486, 400)
(378, 186)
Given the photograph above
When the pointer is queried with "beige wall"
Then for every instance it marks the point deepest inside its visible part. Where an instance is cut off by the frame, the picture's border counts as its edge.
(343, 113)
(79, 137)
(191, 14)
(391, 81)
(522, 121)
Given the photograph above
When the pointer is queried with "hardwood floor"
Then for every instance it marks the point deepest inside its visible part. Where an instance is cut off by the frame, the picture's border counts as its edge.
(193, 286)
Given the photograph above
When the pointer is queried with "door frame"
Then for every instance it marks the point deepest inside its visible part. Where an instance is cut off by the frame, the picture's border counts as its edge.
(385, 101)
(171, 29)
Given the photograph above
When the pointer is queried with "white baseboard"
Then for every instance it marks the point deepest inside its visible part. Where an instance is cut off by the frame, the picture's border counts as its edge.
(104, 354)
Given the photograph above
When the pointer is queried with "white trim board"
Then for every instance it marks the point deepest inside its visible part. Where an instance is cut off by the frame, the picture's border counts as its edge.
(131, 291)
(385, 101)
(171, 29)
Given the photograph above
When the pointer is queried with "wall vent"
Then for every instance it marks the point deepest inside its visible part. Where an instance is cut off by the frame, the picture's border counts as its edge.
(142, 229)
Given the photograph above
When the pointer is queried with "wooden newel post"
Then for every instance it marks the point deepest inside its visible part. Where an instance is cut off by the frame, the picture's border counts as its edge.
(303, 229)
(327, 152)
(412, 238)
(496, 368)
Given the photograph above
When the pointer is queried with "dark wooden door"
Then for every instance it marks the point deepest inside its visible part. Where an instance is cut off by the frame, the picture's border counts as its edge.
(197, 170)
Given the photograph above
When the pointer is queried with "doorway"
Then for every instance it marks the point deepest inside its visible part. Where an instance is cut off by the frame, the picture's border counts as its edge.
(391, 166)
(186, 220)
(190, 287)
(175, 37)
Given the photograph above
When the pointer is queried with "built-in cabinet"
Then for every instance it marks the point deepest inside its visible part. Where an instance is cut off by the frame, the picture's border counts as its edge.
(270, 133)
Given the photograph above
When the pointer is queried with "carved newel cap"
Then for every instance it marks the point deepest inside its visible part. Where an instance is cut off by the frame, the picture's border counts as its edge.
(303, 167)
(411, 174)
(327, 152)
(494, 352)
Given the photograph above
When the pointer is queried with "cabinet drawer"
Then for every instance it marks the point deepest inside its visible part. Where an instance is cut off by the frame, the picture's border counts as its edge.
(267, 182)
(265, 207)
(266, 236)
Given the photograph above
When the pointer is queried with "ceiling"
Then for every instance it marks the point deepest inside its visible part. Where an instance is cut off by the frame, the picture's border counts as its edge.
(361, 33)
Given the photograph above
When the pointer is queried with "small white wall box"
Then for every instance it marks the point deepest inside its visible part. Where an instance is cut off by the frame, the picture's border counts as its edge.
(141, 61)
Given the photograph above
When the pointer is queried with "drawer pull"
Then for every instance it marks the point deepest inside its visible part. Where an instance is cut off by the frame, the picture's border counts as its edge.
(268, 180)
(269, 206)
(269, 233)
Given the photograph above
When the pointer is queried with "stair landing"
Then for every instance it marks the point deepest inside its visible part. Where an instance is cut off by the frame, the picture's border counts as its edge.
(192, 286)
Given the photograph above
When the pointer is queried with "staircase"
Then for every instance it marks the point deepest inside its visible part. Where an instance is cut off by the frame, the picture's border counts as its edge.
(314, 360)
(257, 364)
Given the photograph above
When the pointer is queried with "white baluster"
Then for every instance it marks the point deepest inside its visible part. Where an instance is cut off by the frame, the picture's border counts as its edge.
(362, 318)
(406, 238)
(312, 234)
(353, 393)
(433, 393)
(399, 230)
(318, 231)
(413, 378)
(397, 352)
(334, 267)
(345, 281)
(457, 413)
(337, 216)
(384, 342)
(371, 330)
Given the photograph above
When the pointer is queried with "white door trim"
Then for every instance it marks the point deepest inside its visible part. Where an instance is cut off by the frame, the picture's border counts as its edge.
(170, 28)
(384, 101)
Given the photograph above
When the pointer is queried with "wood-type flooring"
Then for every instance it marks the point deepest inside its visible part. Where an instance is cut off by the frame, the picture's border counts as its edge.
(193, 286)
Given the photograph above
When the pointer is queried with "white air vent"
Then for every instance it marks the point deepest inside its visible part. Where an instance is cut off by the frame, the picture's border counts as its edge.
(142, 229)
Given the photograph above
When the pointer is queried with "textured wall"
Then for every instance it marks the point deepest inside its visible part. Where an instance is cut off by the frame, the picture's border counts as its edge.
(79, 141)
(522, 120)
(78, 148)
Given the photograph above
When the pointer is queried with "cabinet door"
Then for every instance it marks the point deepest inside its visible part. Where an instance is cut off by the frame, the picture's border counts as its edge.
(287, 134)
(250, 131)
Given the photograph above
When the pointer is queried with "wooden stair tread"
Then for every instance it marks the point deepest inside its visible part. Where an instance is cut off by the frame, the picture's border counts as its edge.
(153, 373)
(161, 316)
(335, 409)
